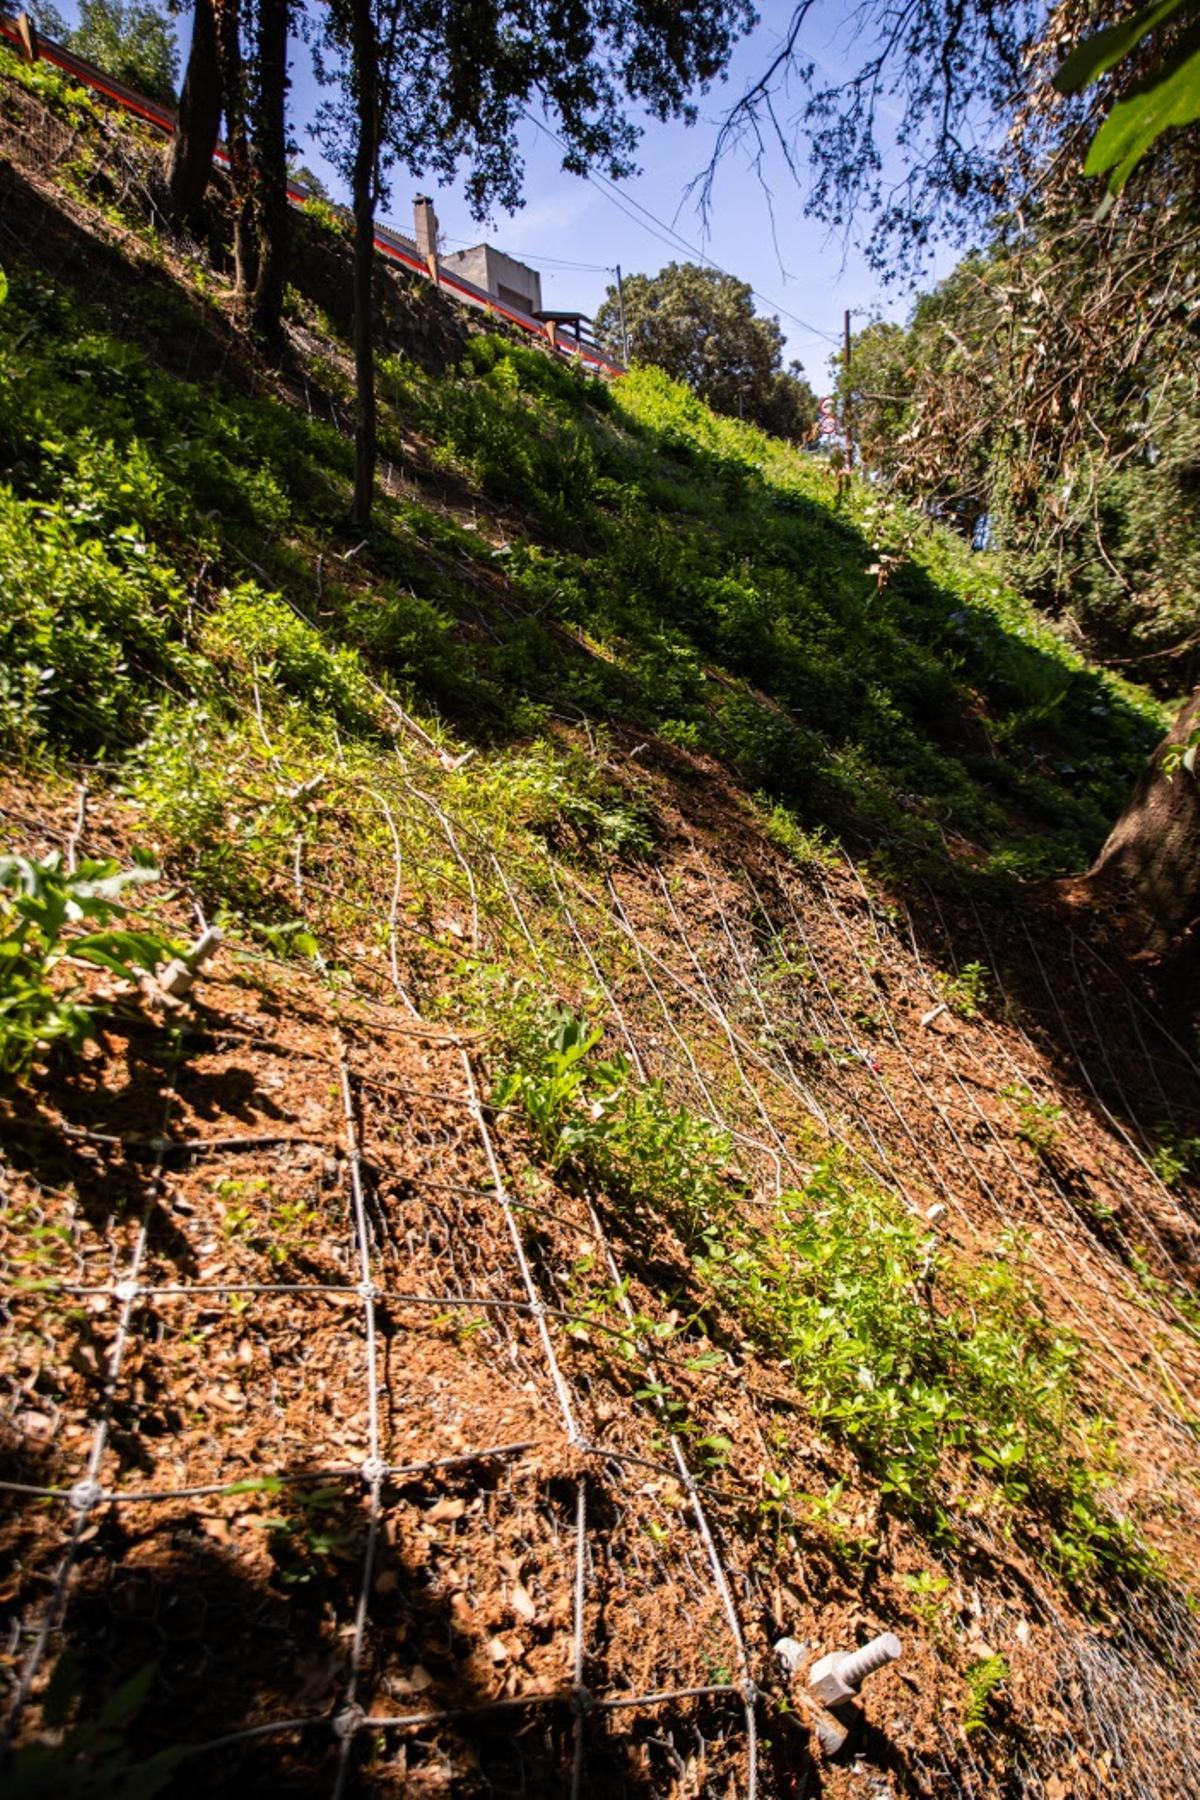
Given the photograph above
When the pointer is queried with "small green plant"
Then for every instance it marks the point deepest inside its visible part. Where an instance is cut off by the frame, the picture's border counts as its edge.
(44, 1250)
(927, 1592)
(1038, 1121)
(967, 992)
(805, 847)
(254, 1216)
(323, 1528)
(1176, 1158)
(776, 1507)
(40, 903)
(852, 1546)
(595, 1121)
(982, 1678)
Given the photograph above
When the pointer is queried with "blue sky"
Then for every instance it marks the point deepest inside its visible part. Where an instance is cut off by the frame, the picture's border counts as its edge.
(800, 273)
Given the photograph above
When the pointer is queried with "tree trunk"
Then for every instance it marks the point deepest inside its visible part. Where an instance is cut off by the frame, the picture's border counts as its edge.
(199, 122)
(227, 15)
(270, 158)
(1148, 872)
(364, 53)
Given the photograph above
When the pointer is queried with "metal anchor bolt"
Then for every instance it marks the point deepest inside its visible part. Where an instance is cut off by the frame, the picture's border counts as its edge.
(837, 1677)
(178, 976)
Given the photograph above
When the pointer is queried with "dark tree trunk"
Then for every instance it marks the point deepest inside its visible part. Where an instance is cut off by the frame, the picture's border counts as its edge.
(199, 122)
(1148, 872)
(364, 52)
(270, 159)
(227, 15)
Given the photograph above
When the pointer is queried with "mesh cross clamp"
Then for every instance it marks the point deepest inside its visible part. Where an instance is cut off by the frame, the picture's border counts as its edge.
(348, 1721)
(84, 1496)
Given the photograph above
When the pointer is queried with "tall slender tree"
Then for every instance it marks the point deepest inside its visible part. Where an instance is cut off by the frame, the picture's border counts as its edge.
(234, 92)
(199, 123)
(238, 70)
(369, 82)
(269, 153)
(437, 86)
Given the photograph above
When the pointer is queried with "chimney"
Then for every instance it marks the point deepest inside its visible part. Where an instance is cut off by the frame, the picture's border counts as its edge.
(27, 32)
(427, 227)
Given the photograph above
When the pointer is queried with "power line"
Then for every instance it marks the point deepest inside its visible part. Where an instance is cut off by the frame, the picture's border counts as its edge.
(657, 227)
(557, 262)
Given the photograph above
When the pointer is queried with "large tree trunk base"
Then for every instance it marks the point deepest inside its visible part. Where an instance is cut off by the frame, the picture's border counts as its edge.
(1147, 876)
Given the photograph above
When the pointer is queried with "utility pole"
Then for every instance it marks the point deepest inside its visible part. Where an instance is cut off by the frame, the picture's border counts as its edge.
(847, 419)
(621, 312)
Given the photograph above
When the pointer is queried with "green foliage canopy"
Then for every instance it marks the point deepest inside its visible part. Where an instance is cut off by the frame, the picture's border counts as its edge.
(700, 325)
(453, 81)
(129, 39)
(1049, 387)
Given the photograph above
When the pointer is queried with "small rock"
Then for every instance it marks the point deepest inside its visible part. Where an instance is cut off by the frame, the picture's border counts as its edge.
(521, 1603)
(445, 1509)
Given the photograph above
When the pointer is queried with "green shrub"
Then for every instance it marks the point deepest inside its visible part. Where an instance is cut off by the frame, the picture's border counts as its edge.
(87, 627)
(593, 1119)
(926, 1364)
(967, 992)
(221, 817)
(942, 1375)
(259, 635)
(559, 792)
(324, 215)
(39, 904)
(1176, 1156)
(1038, 1121)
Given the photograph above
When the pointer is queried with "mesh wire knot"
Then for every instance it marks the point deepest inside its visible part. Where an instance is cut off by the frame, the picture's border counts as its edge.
(348, 1721)
(373, 1469)
(127, 1291)
(366, 1290)
(84, 1495)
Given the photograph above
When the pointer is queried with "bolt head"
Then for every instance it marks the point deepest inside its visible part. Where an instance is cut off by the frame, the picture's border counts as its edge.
(176, 979)
(825, 1682)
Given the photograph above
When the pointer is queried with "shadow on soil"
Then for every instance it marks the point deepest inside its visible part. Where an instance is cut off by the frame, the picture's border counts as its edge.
(236, 1624)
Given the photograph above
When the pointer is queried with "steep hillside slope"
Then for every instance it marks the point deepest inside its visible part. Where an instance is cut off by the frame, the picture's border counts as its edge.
(639, 1176)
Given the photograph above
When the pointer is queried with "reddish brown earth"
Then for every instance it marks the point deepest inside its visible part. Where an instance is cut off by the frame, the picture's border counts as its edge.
(247, 1602)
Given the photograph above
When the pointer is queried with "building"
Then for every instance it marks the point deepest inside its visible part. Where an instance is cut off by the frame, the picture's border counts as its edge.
(485, 267)
(502, 276)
